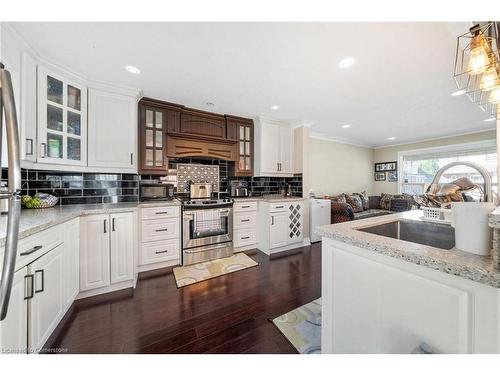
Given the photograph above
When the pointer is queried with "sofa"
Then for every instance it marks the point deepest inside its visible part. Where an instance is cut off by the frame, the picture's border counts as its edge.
(342, 211)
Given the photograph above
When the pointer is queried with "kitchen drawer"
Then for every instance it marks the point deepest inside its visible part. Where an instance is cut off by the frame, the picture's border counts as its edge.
(244, 237)
(278, 207)
(244, 219)
(159, 212)
(160, 229)
(160, 251)
(39, 243)
(244, 206)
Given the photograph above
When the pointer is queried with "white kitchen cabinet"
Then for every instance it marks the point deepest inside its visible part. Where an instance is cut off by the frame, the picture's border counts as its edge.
(273, 148)
(94, 252)
(122, 247)
(281, 224)
(107, 250)
(112, 130)
(62, 118)
(46, 306)
(28, 107)
(71, 279)
(278, 233)
(244, 225)
(14, 328)
(160, 237)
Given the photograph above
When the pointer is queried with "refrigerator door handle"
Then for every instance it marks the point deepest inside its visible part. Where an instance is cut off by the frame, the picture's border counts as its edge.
(8, 107)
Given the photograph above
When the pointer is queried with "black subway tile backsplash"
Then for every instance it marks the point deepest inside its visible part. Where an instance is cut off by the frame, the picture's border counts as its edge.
(88, 188)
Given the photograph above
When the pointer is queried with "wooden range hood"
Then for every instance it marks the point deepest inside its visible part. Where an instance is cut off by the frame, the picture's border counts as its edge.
(192, 133)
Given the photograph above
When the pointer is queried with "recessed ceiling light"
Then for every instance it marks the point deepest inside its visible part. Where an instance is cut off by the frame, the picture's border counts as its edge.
(275, 107)
(490, 119)
(391, 138)
(346, 126)
(132, 69)
(458, 92)
(346, 63)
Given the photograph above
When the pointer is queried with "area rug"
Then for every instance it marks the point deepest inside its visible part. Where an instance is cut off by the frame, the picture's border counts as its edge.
(302, 327)
(195, 273)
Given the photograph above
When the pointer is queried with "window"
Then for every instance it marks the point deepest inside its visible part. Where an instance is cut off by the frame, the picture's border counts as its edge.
(418, 168)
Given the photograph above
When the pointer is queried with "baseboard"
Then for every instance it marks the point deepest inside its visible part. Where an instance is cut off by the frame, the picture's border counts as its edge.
(155, 266)
(106, 289)
(245, 248)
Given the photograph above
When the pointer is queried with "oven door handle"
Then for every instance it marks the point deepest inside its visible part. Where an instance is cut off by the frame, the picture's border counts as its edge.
(203, 249)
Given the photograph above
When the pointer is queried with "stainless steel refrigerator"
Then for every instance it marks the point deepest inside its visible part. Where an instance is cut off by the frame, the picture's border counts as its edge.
(12, 194)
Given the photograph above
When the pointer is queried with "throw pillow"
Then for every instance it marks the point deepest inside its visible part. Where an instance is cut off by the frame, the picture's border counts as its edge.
(355, 202)
(364, 198)
(339, 198)
(385, 201)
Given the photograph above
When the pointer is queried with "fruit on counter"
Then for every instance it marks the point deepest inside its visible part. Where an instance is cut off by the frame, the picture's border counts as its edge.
(25, 199)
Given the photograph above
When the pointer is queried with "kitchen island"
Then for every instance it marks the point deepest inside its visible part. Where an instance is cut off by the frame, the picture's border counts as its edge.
(382, 294)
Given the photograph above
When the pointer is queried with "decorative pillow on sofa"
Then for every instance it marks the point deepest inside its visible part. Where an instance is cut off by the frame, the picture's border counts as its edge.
(364, 199)
(339, 198)
(385, 201)
(355, 202)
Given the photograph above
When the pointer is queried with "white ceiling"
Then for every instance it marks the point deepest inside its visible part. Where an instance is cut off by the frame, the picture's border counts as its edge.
(399, 86)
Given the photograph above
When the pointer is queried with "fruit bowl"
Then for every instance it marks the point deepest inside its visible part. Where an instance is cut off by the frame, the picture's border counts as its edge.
(39, 200)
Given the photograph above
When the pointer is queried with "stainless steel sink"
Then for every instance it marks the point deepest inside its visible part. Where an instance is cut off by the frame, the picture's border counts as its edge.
(436, 235)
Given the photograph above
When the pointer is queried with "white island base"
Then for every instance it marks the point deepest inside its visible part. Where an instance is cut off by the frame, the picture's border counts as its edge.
(373, 303)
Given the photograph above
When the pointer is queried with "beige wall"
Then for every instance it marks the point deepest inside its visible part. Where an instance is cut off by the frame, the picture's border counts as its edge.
(391, 154)
(336, 168)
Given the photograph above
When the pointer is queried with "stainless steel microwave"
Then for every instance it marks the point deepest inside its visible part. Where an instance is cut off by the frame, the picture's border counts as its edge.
(155, 191)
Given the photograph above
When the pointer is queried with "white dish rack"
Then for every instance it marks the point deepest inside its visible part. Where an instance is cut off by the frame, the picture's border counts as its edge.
(437, 215)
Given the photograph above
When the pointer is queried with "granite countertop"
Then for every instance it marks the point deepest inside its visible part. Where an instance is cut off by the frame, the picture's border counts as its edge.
(33, 221)
(494, 219)
(454, 261)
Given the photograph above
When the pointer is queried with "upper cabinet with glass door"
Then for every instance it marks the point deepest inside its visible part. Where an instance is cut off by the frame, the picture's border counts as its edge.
(62, 121)
(241, 130)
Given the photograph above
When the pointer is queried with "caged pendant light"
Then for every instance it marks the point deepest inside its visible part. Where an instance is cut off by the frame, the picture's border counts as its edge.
(477, 67)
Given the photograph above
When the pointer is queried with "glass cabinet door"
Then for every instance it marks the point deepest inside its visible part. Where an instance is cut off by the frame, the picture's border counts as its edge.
(153, 138)
(62, 119)
(245, 148)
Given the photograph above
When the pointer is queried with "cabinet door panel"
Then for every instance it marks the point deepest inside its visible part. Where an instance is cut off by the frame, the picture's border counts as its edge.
(112, 122)
(278, 233)
(46, 310)
(71, 262)
(286, 150)
(122, 247)
(28, 107)
(62, 119)
(270, 148)
(14, 328)
(94, 252)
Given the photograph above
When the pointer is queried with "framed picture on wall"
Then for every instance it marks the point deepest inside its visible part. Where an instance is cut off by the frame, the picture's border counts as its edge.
(380, 176)
(386, 166)
(392, 176)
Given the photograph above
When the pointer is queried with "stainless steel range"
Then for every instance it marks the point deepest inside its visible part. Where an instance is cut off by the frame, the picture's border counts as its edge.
(207, 226)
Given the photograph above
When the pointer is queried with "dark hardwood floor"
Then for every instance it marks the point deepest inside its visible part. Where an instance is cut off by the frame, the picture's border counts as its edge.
(228, 314)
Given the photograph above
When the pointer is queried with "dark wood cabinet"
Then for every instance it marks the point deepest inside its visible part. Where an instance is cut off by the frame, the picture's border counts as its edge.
(194, 122)
(168, 130)
(241, 130)
(155, 118)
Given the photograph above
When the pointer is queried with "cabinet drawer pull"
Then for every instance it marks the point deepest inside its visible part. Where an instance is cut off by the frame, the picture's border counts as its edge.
(245, 238)
(30, 142)
(162, 213)
(272, 220)
(245, 206)
(161, 251)
(131, 158)
(105, 226)
(245, 220)
(41, 272)
(29, 286)
(44, 149)
(280, 206)
(113, 224)
(161, 230)
(32, 250)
